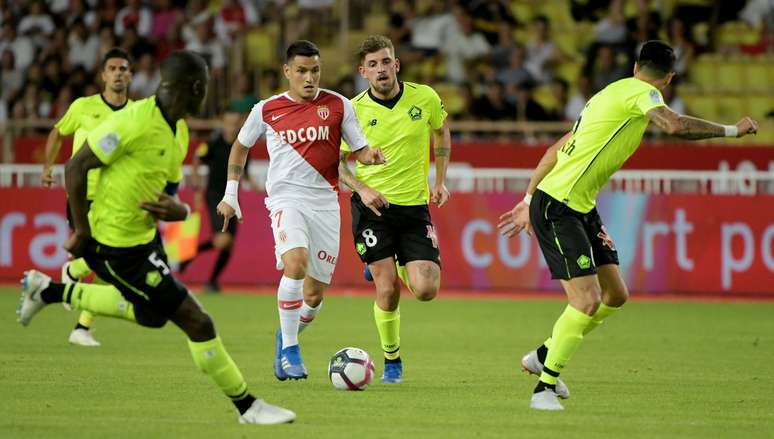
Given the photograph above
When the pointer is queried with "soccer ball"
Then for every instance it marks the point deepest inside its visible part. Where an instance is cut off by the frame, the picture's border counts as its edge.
(351, 369)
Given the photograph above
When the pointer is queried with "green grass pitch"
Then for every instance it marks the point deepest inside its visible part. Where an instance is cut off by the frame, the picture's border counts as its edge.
(655, 370)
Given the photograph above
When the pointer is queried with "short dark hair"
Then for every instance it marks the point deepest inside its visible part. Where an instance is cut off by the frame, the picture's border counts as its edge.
(301, 48)
(374, 43)
(183, 66)
(657, 57)
(116, 52)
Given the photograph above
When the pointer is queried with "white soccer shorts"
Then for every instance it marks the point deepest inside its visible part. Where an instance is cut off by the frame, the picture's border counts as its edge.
(316, 231)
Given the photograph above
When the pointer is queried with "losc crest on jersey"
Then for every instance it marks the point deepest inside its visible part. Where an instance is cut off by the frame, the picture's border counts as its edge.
(306, 134)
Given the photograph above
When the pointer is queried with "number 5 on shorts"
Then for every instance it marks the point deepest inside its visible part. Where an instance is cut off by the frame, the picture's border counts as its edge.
(158, 263)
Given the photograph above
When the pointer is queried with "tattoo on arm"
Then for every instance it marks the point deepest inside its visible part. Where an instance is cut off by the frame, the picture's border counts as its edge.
(442, 152)
(235, 170)
(684, 127)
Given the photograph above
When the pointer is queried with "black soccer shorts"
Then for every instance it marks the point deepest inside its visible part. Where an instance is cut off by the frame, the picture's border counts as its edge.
(574, 244)
(141, 273)
(405, 232)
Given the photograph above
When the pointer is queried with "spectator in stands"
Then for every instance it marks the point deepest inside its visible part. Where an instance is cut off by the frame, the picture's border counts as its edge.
(244, 94)
(52, 79)
(134, 44)
(492, 105)
(61, 103)
(607, 69)
(398, 31)
(83, 46)
(430, 28)
(234, 16)
(36, 23)
(672, 100)
(559, 89)
(145, 79)
(682, 45)
(165, 16)
(11, 78)
(575, 105)
(170, 42)
(612, 28)
(488, 15)
(107, 13)
(21, 45)
(463, 48)
(204, 43)
(106, 42)
(56, 45)
(542, 52)
(136, 16)
(527, 109)
(516, 74)
(501, 53)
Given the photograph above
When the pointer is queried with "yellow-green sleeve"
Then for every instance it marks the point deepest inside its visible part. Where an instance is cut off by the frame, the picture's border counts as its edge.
(112, 138)
(437, 111)
(68, 124)
(648, 100)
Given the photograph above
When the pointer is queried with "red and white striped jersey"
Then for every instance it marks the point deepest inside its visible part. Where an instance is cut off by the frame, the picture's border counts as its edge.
(303, 140)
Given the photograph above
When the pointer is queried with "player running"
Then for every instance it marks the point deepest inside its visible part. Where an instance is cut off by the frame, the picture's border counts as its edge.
(83, 115)
(560, 205)
(140, 151)
(303, 128)
(399, 117)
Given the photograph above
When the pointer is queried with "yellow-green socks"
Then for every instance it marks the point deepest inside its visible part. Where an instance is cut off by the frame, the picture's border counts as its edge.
(86, 319)
(211, 358)
(78, 268)
(566, 337)
(603, 312)
(388, 325)
(403, 275)
(103, 300)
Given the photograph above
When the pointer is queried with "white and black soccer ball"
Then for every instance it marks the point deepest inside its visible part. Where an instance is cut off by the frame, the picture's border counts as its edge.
(351, 369)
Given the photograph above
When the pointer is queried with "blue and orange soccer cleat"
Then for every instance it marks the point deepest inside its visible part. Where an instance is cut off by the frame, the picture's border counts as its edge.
(393, 371)
(291, 363)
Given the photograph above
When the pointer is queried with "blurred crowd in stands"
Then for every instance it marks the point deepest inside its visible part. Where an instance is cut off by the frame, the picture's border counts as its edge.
(489, 59)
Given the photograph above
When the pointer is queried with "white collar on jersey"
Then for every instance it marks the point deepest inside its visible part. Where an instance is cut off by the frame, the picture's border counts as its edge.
(287, 95)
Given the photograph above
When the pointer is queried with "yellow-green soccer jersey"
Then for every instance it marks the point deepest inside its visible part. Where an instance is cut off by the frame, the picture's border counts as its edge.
(607, 132)
(141, 154)
(403, 134)
(81, 117)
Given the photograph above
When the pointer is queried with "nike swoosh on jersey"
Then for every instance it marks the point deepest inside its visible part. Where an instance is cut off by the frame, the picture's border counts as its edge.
(275, 117)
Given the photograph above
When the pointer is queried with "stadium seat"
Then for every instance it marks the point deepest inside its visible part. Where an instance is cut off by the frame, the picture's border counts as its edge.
(702, 105)
(737, 33)
(452, 97)
(759, 74)
(730, 76)
(704, 73)
(260, 47)
(730, 108)
(760, 106)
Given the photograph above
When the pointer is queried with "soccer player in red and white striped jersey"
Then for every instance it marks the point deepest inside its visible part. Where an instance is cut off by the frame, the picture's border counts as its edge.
(303, 128)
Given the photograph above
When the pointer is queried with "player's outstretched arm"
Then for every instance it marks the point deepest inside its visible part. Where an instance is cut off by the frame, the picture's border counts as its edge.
(75, 184)
(374, 200)
(229, 206)
(693, 128)
(517, 219)
(53, 145)
(442, 150)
